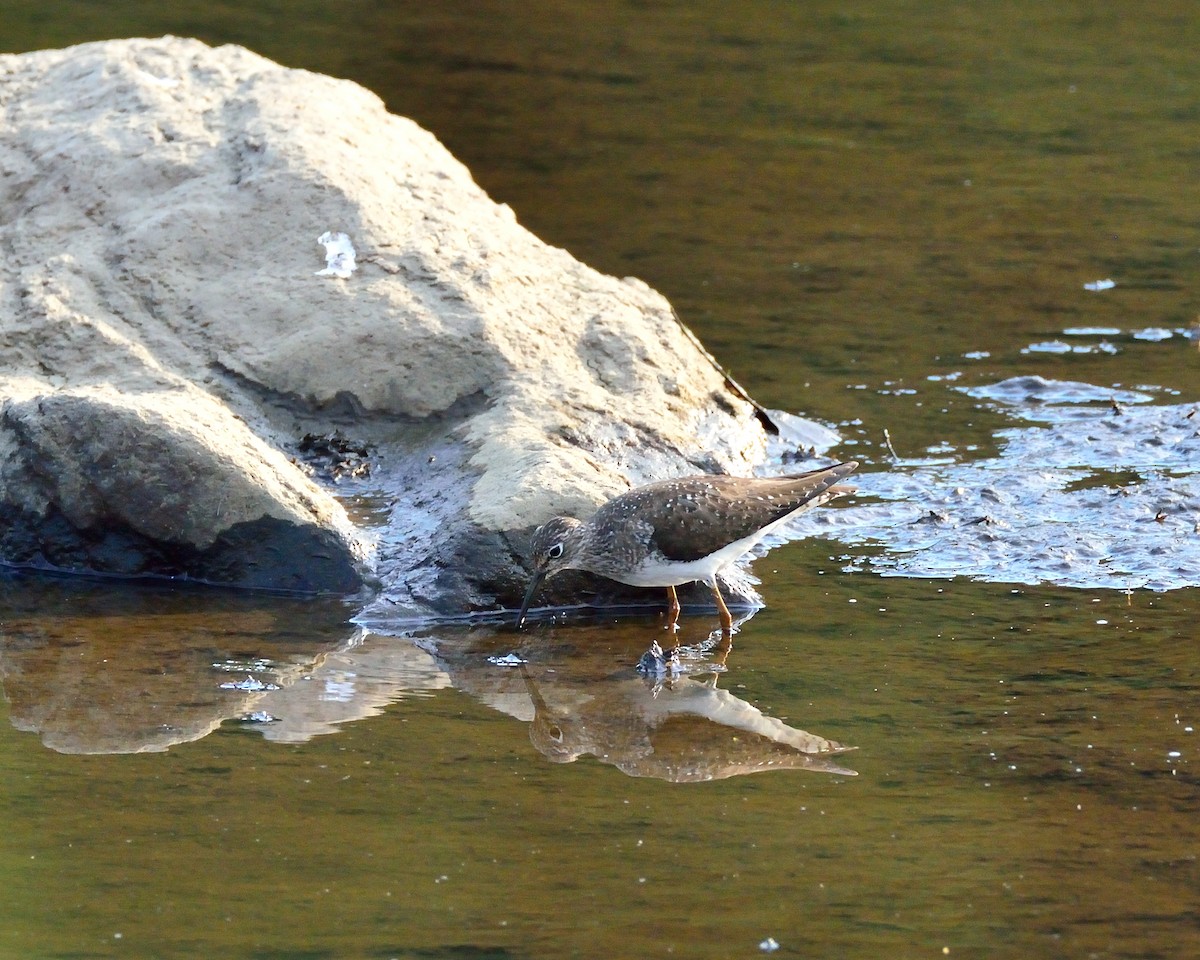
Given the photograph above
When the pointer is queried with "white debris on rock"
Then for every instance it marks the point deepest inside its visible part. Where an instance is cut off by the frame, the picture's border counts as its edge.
(339, 256)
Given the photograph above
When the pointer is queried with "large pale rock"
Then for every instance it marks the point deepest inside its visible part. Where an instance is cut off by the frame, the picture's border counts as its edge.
(159, 305)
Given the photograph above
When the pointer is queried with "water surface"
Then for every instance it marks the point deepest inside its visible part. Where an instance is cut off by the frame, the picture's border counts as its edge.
(871, 216)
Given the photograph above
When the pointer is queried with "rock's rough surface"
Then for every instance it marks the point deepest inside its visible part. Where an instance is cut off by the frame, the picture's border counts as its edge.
(167, 339)
(162, 482)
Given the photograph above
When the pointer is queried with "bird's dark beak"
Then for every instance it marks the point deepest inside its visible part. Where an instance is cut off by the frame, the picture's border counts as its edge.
(536, 582)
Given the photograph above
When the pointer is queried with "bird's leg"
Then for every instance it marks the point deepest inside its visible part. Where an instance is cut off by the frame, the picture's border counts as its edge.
(723, 611)
(672, 608)
(673, 621)
(723, 651)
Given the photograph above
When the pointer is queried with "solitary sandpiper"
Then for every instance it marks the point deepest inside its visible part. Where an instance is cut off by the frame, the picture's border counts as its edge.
(677, 531)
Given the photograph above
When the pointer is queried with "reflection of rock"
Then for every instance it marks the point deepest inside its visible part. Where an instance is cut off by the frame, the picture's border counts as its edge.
(128, 671)
(123, 671)
(351, 683)
(169, 343)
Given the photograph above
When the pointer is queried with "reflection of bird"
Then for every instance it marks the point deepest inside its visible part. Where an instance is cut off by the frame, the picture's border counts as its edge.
(677, 531)
(683, 733)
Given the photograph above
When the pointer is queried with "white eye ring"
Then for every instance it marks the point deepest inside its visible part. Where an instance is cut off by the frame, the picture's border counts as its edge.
(555, 551)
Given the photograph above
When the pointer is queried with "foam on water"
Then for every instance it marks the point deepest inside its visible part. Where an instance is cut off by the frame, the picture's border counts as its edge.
(1092, 487)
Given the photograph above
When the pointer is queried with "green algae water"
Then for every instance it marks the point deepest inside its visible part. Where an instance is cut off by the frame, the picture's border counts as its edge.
(1025, 783)
(872, 216)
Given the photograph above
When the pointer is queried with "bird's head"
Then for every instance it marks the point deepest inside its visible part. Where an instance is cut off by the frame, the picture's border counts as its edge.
(555, 547)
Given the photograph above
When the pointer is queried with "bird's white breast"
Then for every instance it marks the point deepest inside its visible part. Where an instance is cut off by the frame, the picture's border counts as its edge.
(657, 572)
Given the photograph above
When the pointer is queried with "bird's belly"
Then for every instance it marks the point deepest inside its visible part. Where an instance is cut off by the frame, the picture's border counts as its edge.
(660, 572)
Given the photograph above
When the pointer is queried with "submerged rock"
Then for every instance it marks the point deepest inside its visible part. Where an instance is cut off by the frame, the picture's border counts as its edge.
(171, 342)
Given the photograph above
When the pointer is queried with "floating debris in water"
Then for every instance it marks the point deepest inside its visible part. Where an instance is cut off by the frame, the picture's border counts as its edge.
(259, 716)
(1048, 346)
(1098, 285)
(243, 666)
(1092, 332)
(1034, 389)
(249, 685)
(1057, 346)
(770, 945)
(654, 664)
(976, 355)
(508, 660)
(1153, 334)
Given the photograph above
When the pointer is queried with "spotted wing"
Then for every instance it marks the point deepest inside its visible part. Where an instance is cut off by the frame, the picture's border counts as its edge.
(696, 516)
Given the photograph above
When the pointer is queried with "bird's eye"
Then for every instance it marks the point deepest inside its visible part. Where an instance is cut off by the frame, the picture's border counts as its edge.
(555, 551)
